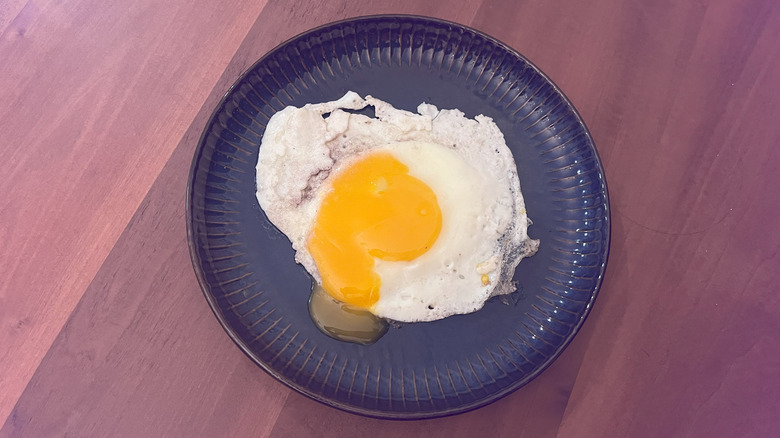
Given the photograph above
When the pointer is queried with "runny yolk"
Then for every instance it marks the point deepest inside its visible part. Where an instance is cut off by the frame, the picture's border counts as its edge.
(375, 209)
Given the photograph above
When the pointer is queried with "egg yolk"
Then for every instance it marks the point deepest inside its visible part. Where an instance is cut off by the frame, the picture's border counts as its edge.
(374, 209)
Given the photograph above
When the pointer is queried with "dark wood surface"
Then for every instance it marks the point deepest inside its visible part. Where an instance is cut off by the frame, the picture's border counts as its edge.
(103, 328)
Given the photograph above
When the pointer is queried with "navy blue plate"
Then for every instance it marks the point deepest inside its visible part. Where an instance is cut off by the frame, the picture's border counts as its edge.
(258, 293)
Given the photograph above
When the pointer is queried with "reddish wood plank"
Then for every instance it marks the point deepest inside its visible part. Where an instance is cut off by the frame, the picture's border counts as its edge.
(142, 354)
(142, 342)
(686, 346)
(94, 96)
(21, 11)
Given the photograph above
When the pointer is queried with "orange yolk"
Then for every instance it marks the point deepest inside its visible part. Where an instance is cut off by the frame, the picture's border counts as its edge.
(375, 209)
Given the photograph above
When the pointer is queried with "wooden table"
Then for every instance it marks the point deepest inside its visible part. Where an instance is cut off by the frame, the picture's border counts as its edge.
(104, 330)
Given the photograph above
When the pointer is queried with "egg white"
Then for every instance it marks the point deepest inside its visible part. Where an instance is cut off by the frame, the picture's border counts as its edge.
(444, 280)
(464, 161)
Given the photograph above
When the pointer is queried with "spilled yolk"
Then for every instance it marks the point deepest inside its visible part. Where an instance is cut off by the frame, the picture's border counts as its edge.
(375, 209)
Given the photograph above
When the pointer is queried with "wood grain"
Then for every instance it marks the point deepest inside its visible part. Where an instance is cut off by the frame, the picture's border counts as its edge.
(95, 97)
(104, 329)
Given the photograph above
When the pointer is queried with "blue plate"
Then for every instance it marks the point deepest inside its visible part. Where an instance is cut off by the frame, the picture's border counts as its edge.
(258, 293)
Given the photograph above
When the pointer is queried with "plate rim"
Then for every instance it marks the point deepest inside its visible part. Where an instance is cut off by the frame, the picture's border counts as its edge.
(374, 413)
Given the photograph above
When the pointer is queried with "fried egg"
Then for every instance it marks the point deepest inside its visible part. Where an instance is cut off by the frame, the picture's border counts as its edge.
(414, 217)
